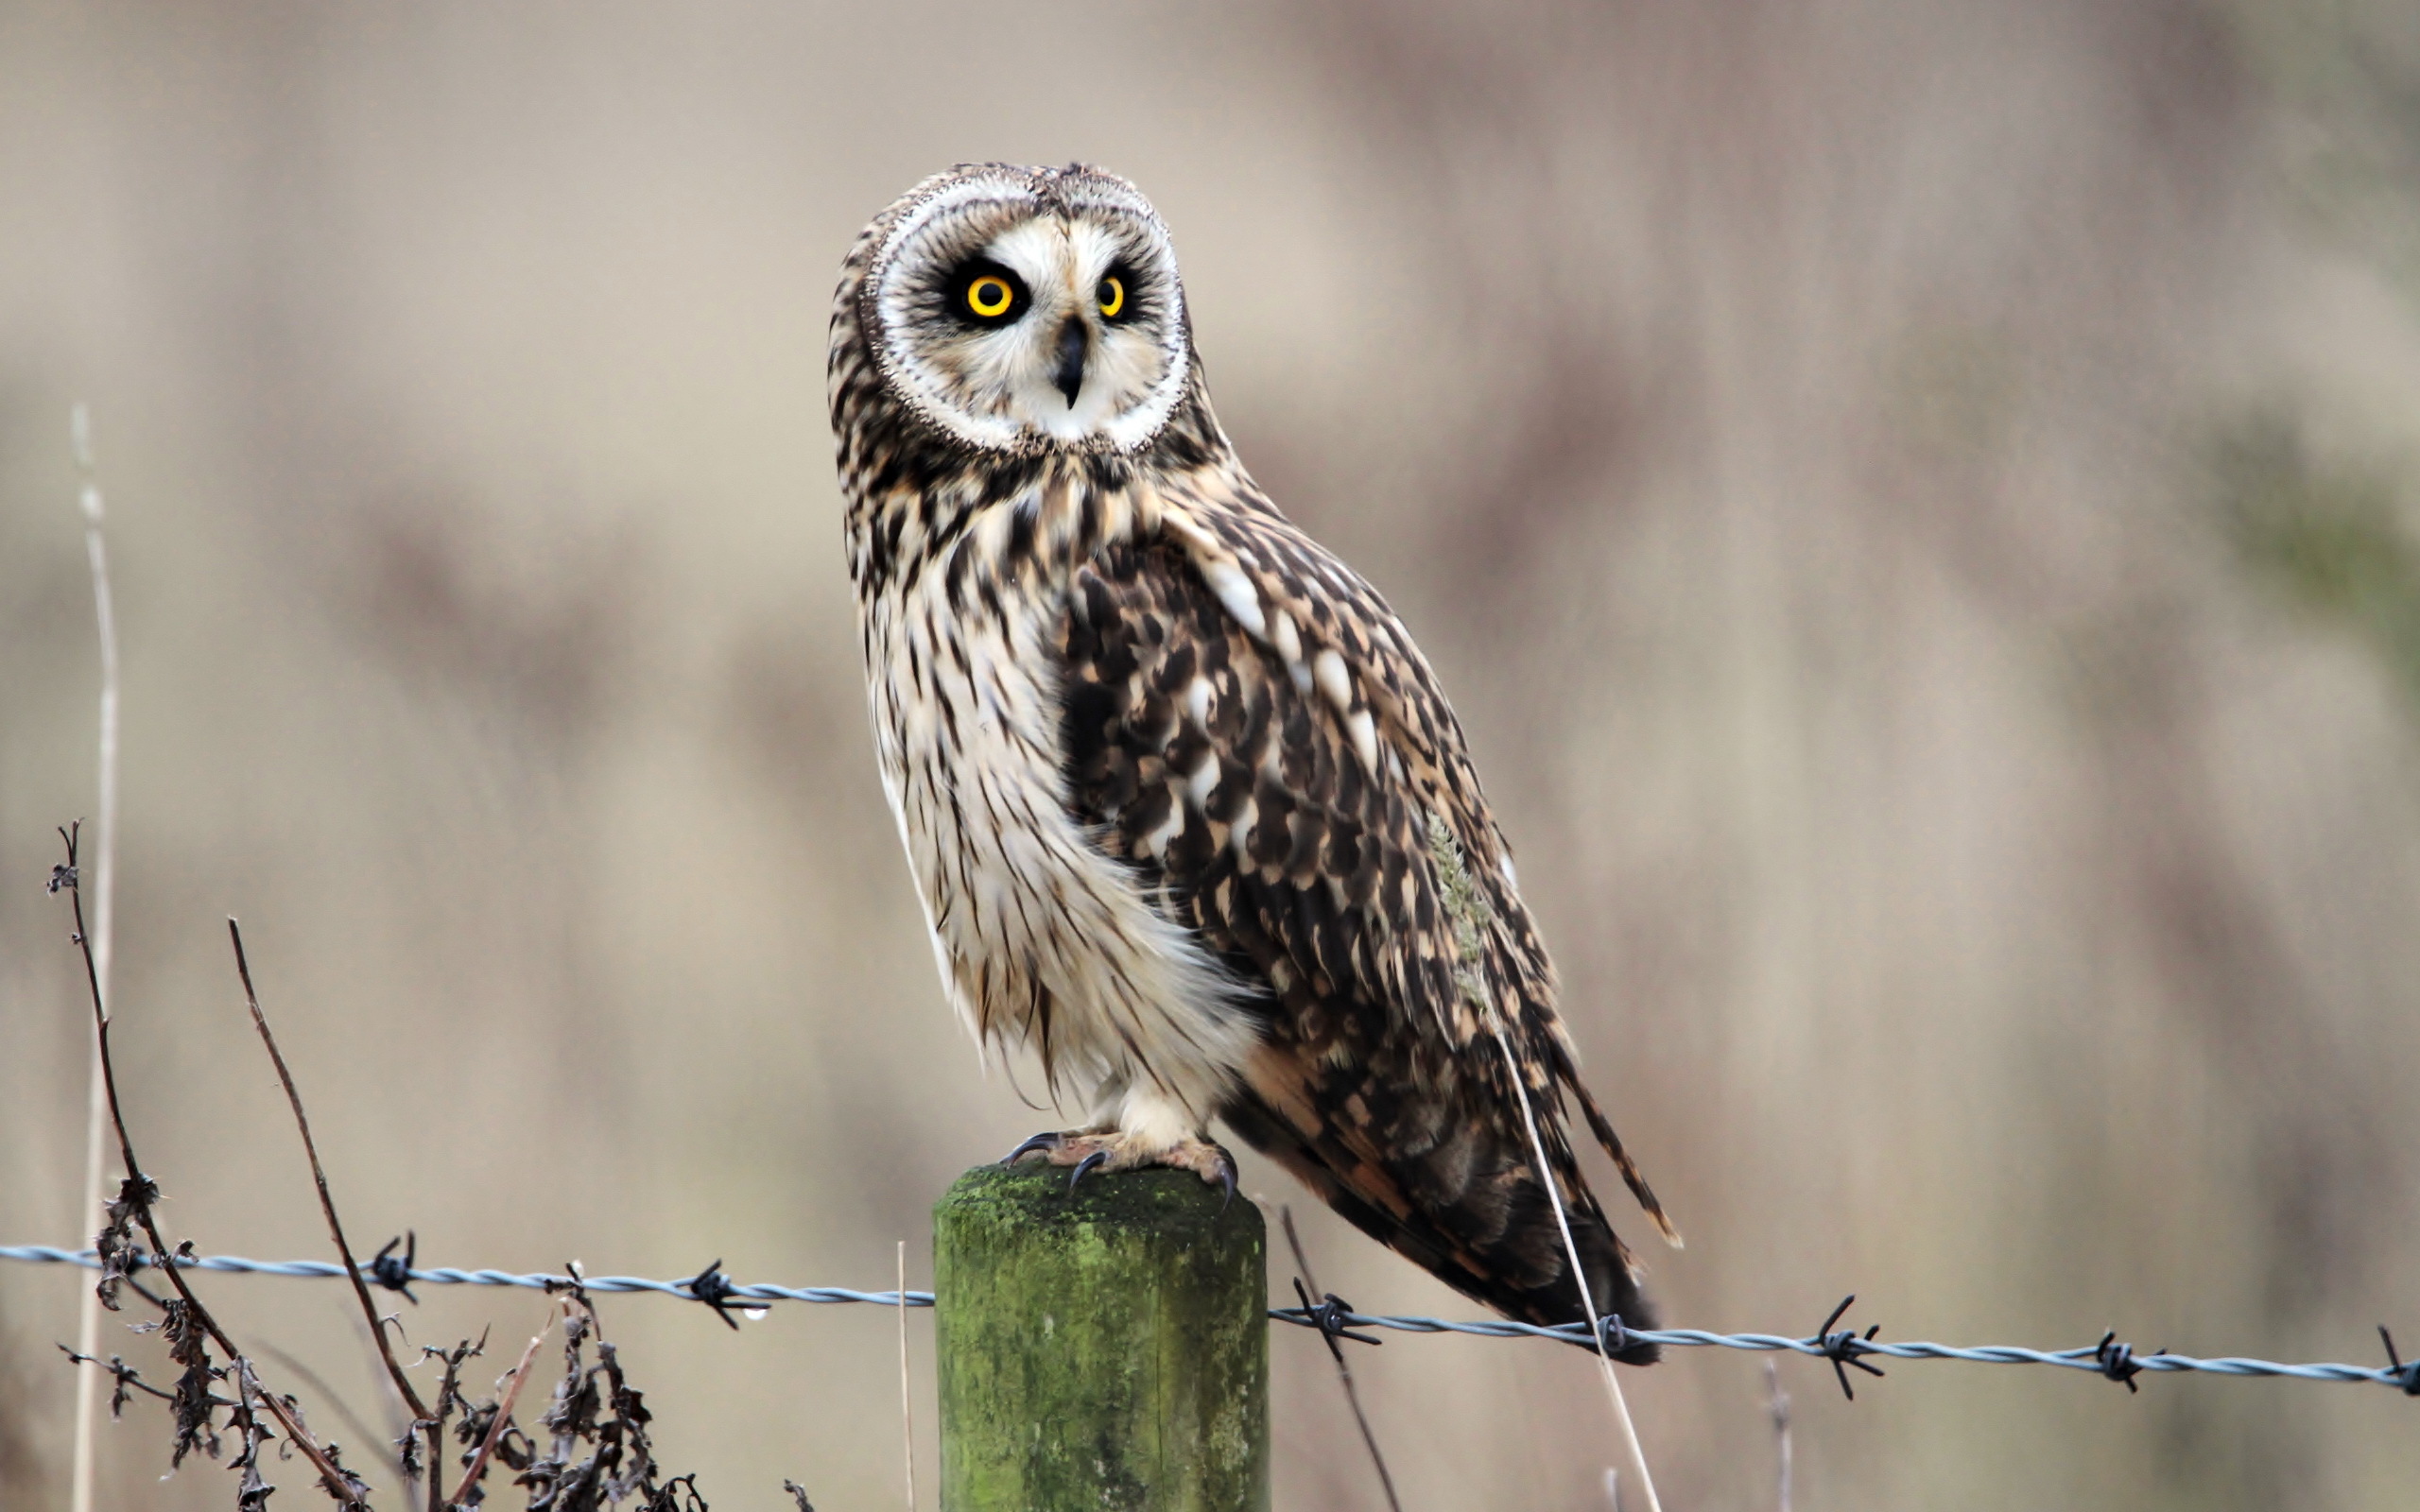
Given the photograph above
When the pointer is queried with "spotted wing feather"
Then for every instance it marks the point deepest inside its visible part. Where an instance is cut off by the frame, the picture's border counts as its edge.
(1237, 795)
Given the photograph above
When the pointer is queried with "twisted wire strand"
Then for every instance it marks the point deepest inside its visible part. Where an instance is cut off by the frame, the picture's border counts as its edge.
(448, 1275)
(2088, 1358)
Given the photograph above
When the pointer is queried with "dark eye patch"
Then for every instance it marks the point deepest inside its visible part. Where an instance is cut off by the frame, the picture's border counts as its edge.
(984, 294)
(1119, 296)
(1146, 295)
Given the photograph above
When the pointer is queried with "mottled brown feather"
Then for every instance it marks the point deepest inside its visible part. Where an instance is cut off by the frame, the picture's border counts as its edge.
(1247, 817)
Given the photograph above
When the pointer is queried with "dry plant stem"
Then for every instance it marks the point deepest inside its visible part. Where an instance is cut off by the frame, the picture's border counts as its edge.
(328, 1207)
(329, 1473)
(447, 1387)
(88, 1314)
(503, 1419)
(907, 1406)
(128, 1377)
(1344, 1371)
(398, 1418)
(1637, 1456)
(253, 1493)
(318, 1382)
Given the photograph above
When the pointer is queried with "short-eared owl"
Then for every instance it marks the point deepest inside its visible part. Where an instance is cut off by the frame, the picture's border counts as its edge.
(1186, 809)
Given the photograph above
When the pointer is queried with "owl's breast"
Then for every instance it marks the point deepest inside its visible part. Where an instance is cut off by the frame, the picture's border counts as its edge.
(1039, 935)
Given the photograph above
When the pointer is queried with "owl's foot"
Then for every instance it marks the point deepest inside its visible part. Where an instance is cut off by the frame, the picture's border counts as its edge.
(1111, 1150)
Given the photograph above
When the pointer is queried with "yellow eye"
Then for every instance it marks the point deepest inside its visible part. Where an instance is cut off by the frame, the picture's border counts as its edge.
(1112, 295)
(990, 296)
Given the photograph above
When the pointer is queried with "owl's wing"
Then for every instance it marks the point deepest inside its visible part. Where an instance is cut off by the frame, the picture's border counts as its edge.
(1315, 820)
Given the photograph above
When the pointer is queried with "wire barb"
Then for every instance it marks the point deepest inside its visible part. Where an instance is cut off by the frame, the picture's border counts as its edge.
(1612, 1336)
(1330, 1318)
(2117, 1362)
(1845, 1348)
(393, 1271)
(2406, 1376)
(712, 1287)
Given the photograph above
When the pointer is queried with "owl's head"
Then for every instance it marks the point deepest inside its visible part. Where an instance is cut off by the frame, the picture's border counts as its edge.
(1028, 309)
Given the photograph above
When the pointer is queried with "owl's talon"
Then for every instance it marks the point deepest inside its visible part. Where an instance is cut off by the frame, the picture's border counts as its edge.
(1089, 1150)
(1046, 1140)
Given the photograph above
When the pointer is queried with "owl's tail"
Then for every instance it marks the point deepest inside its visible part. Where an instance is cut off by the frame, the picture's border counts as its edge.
(1468, 1207)
(1603, 1127)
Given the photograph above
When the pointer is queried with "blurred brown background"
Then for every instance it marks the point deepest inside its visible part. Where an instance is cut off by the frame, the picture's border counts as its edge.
(1915, 502)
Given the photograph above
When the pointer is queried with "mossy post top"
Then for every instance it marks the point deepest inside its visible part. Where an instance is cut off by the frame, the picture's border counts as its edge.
(1034, 1194)
(1104, 1349)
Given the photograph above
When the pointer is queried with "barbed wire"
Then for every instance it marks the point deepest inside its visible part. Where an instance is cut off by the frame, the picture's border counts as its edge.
(1843, 1348)
(688, 1289)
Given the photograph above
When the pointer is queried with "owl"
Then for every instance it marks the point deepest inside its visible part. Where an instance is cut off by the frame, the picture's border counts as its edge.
(1188, 815)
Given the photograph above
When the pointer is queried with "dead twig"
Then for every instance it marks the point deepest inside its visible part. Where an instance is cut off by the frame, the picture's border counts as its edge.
(137, 1194)
(435, 1422)
(497, 1430)
(124, 1374)
(285, 1361)
(449, 1396)
(1631, 1448)
(88, 1316)
(1468, 910)
(596, 1409)
(1310, 1288)
(251, 1494)
(600, 1453)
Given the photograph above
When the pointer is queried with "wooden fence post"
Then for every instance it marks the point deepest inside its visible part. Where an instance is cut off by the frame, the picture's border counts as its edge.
(1101, 1349)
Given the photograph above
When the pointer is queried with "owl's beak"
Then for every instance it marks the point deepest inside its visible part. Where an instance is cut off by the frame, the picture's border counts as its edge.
(1072, 340)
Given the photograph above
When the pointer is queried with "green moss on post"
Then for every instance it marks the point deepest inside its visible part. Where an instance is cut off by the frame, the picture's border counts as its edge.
(1106, 1350)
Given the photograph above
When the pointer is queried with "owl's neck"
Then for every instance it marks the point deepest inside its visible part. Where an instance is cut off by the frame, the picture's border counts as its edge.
(920, 503)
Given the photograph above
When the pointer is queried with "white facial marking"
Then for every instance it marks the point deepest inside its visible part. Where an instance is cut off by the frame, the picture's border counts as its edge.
(1001, 383)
